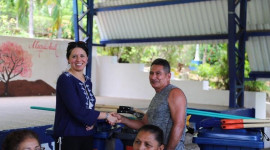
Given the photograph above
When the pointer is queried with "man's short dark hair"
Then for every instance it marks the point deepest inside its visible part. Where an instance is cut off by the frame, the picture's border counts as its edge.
(164, 63)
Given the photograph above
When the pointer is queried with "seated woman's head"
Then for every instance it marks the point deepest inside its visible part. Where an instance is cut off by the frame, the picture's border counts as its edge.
(21, 140)
(149, 137)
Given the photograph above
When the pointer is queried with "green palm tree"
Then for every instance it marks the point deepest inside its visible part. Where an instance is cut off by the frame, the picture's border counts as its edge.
(25, 12)
(57, 15)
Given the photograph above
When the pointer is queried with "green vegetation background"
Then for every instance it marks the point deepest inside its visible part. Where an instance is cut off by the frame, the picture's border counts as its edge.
(53, 19)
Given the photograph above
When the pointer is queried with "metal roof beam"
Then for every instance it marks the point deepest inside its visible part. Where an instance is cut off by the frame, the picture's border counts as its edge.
(258, 33)
(185, 38)
(168, 39)
(259, 74)
(149, 4)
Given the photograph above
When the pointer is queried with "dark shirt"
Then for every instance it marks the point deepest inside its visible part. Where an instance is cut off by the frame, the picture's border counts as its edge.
(75, 104)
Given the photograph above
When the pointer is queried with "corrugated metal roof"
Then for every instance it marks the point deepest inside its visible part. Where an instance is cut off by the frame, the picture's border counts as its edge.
(258, 50)
(185, 19)
(258, 15)
(164, 21)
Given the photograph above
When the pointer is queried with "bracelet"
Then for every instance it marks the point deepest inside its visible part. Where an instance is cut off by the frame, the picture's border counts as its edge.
(107, 115)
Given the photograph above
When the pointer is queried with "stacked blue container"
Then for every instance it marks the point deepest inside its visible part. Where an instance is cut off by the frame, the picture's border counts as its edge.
(237, 139)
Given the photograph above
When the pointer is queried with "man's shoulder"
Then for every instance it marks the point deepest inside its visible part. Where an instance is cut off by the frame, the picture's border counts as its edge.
(176, 93)
(175, 89)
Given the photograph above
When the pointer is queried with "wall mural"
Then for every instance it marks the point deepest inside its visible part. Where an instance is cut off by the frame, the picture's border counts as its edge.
(14, 61)
(30, 67)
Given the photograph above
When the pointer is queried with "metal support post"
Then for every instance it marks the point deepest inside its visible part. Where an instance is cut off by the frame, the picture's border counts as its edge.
(90, 19)
(236, 51)
(75, 20)
(89, 13)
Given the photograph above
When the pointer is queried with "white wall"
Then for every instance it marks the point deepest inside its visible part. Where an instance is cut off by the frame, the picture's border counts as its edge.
(112, 79)
(268, 109)
(122, 80)
(47, 56)
(256, 100)
(130, 81)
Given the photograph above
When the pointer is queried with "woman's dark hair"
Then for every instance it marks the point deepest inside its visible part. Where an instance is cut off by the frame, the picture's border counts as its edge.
(72, 45)
(158, 133)
(15, 138)
(162, 62)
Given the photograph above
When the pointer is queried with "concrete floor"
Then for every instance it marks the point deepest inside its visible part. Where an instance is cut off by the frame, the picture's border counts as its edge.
(15, 112)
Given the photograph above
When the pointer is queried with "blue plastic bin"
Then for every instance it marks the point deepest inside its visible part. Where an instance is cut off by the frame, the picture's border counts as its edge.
(219, 139)
(103, 137)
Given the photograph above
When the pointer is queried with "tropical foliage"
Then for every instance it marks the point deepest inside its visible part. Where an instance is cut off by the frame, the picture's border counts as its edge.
(51, 20)
(36, 18)
(217, 71)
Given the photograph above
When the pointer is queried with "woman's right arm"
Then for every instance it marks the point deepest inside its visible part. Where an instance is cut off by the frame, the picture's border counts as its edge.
(108, 116)
(69, 97)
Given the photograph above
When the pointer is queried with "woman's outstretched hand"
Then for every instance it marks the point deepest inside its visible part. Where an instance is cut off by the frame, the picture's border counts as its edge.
(111, 119)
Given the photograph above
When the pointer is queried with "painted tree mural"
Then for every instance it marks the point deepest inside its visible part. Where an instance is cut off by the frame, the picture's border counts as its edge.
(14, 61)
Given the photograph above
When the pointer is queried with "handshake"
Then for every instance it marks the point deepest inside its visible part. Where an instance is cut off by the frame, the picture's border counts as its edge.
(113, 118)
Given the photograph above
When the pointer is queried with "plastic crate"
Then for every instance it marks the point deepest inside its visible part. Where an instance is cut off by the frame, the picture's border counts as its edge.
(103, 137)
(127, 136)
(219, 139)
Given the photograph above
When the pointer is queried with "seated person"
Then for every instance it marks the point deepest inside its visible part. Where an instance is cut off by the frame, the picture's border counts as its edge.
(22, 140)
(149, 137)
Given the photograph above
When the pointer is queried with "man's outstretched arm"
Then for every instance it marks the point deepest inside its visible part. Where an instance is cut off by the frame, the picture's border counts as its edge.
(134, 124)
